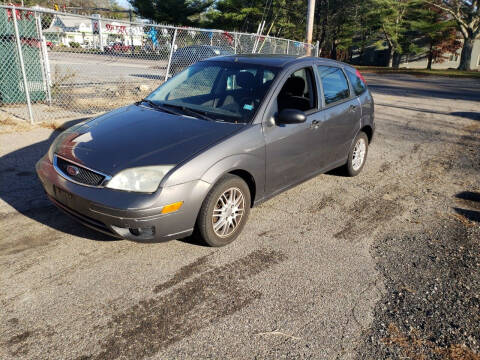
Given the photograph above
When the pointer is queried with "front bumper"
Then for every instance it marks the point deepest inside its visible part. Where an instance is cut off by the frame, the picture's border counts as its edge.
(121, 214)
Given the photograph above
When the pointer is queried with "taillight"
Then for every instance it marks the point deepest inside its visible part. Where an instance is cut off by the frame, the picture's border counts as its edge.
(360, 76)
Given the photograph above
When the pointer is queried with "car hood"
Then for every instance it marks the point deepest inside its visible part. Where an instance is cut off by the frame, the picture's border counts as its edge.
(138, 136)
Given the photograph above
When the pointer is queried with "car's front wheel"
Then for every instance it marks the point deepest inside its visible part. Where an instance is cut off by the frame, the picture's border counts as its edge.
(357, 155)
(224, 211)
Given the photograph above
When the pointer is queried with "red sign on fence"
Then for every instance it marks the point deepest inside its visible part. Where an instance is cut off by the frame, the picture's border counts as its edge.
(27, 15)
(122, 29)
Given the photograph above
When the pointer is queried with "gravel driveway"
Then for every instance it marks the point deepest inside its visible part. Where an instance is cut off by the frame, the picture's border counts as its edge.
(384, 265)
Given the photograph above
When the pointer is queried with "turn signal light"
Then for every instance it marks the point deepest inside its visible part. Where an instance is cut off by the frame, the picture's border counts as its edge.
(172, 207)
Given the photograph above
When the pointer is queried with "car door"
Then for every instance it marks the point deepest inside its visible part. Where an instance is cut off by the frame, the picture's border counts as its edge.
(341, 113)
(289, 146)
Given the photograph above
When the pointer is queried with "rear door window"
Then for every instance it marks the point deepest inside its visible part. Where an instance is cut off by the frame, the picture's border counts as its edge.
(358, 85)
(334, 83)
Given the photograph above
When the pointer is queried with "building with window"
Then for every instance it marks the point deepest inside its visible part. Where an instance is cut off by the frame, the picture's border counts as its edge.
(67, 29)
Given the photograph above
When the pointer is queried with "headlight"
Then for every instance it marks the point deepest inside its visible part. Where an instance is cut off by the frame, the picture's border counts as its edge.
(140, 179)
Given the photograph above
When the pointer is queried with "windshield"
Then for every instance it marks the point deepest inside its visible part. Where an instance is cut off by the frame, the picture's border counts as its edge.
(221, 91)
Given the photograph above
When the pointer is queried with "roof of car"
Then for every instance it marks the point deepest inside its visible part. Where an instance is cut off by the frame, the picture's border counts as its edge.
(203, 46)
(269, 60)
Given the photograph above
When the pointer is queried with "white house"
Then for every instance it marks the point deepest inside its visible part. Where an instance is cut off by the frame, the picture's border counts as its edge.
(66, 29)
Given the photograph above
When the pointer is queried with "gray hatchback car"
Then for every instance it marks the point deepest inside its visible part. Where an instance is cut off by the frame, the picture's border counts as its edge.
(203, 148)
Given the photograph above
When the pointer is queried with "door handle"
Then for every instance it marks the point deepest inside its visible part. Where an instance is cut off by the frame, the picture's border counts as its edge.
(352, 108)
(315, 124)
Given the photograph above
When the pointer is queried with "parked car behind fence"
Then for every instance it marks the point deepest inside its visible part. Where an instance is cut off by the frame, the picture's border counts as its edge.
(117, 47)
(186, 56)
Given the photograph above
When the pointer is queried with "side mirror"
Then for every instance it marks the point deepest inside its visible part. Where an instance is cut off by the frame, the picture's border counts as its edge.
(291, 116)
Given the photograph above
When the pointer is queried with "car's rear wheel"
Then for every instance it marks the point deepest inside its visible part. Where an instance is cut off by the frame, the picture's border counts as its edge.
(224, 211)
(357, 155)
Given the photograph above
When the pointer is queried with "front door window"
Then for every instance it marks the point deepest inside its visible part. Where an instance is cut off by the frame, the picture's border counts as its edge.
(298, 92)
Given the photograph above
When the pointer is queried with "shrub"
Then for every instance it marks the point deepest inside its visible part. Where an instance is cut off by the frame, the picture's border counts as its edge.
(74, 44)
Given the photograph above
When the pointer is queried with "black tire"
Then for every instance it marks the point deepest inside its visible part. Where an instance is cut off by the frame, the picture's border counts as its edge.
(204, 228)
(349, 168)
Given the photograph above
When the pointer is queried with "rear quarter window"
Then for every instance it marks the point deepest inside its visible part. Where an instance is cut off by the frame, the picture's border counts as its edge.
(358, 85)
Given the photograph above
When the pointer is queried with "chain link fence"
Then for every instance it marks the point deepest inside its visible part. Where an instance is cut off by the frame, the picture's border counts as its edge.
(64, 66)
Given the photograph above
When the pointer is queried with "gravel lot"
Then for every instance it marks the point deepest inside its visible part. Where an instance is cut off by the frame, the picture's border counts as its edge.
(384, 265)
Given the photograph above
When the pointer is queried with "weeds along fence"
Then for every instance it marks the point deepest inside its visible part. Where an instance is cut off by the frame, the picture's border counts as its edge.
(57, 65)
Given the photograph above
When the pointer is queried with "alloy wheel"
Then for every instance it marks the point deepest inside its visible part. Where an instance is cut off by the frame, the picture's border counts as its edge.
(228, 212)
(359, 154)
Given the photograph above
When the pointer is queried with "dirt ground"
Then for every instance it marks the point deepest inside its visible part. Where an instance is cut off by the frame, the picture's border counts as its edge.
(385, 265)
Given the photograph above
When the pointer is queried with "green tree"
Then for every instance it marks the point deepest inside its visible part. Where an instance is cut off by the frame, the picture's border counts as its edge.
(240, 15)
(177, 12)
(438, 31)
(283, 18)
(364, 27)
(346, 27)
(390, 19)
(334, 27)
(466, 14)
(290, 18)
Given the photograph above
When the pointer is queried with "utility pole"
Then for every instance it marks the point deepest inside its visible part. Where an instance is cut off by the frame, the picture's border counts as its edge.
(310, 16)
(131, 30)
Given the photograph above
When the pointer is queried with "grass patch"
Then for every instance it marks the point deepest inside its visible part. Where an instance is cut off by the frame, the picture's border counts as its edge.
(414, 347)
(10, 125)
(54, 125)
(420, 72)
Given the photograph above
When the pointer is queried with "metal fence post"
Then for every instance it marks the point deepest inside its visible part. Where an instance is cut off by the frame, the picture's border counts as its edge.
(44, 58)
(235, 42)
(100, 33)
(131, 30)
(171, 53)
(97, 19)
(288, 45)
(22, 65)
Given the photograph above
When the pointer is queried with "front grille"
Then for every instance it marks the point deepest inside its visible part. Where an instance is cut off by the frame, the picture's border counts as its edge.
(84, 176)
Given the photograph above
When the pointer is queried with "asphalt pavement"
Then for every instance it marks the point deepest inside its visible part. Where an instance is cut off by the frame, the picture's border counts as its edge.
(315, 275)
(85, 70)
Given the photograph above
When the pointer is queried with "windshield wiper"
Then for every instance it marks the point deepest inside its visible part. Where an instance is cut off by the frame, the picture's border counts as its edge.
(159, 107)
(195, 113)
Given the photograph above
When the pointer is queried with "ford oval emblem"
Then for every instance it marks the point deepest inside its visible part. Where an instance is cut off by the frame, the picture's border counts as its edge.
(72, 170)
